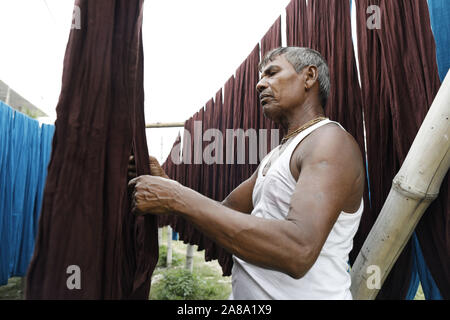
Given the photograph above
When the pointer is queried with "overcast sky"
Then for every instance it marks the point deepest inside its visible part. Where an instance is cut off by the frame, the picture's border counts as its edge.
(190, 48)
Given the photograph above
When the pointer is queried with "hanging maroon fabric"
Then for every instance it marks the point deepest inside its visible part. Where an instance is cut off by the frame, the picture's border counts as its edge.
(238, 121)
(170, 168)
(85, 220)
(196, 171)
(410, 50)
(271, 40)
(226, 183)
(399, 80)
(331, 23)
(251, 115)
(208, 174)
(218, 168)
(182, 176)
(297, 34)
(228, 123)
(223, 117)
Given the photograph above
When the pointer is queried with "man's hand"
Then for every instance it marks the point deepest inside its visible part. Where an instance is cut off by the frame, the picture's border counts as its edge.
(155, 168)
(154, 195)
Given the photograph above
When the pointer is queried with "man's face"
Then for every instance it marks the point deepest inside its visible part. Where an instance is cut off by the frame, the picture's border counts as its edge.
(281, 88)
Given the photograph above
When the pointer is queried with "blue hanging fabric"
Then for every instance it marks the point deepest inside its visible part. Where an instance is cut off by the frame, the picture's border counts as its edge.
(6, 125)
(440, 24)
(47, 132)
(24, 154)
(25, 245)
(429, 287)
(19, 168)
(414, 284)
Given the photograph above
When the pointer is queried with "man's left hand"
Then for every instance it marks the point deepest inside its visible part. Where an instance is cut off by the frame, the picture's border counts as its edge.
(154, 195)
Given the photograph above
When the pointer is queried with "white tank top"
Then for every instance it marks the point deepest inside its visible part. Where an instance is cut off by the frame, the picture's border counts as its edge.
(329, 277)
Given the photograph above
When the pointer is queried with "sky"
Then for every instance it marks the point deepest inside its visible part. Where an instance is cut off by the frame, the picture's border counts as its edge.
(191, 48)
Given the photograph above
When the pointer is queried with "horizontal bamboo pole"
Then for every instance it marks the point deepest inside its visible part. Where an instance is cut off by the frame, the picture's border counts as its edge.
(414, 187)
(164, 125)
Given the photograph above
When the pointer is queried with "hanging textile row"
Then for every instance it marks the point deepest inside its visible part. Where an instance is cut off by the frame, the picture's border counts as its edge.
(24, 154)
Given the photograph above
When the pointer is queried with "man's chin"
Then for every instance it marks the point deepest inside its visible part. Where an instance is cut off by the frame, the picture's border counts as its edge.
(269, 113)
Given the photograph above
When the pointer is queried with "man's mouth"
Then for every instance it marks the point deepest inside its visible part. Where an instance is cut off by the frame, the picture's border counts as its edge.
(264, 98)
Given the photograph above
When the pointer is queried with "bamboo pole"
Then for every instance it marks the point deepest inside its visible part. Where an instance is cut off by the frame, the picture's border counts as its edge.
(414, 187)
(190, 257)
(164, 125)
(160, 238)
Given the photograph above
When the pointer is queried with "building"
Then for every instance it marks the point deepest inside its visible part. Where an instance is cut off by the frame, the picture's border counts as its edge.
(16, 101)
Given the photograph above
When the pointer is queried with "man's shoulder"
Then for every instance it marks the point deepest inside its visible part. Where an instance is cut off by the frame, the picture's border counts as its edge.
(330, 141)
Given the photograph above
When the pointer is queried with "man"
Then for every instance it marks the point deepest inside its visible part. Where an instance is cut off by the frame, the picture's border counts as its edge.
(290, 226)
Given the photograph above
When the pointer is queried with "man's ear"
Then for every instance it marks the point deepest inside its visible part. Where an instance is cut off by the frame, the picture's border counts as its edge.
(311, 75)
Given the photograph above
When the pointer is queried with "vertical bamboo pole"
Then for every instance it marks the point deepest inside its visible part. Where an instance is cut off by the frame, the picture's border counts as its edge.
(190, 257)
(160, 236)
(414, 187)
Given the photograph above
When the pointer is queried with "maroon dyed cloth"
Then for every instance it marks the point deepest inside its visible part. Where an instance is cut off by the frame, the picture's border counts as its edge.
(297, 34)
(170, 168)
(271, 40)
(251, 113)
(227, 123)
(331, 23)
(399, 80)
(85, 219)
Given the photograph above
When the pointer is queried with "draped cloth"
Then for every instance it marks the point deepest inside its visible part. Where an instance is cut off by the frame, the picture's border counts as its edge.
(399, 80)
(170, 168)
(433, 231)
(86, 220)
(332, 37)
(270, 41)
(24, 155)
(239, 113)
(297, 34)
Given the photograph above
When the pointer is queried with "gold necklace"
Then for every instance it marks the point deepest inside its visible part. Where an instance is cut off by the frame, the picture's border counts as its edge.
(303, 127)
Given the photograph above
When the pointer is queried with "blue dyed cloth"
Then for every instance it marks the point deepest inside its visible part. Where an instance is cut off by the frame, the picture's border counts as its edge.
(25, 149)
(440, 24)
(421, 273)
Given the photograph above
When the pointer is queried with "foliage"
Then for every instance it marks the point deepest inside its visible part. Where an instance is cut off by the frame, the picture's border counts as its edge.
(180, 284)
(177, 259)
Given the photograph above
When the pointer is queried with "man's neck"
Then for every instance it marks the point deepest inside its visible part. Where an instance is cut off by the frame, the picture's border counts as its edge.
(307, 113)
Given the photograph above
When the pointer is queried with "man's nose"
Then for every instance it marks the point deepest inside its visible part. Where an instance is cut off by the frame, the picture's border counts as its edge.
(261, 86)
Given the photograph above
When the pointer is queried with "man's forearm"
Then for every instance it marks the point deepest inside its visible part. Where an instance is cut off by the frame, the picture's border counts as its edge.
(267, 243)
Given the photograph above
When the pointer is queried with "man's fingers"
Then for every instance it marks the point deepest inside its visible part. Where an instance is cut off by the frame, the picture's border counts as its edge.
(133, 182)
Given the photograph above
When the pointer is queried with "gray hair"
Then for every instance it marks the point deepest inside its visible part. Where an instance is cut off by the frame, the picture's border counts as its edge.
(301, 58)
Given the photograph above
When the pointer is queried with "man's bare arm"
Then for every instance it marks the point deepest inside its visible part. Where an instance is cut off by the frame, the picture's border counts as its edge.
(290, 246)
(241, 198)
